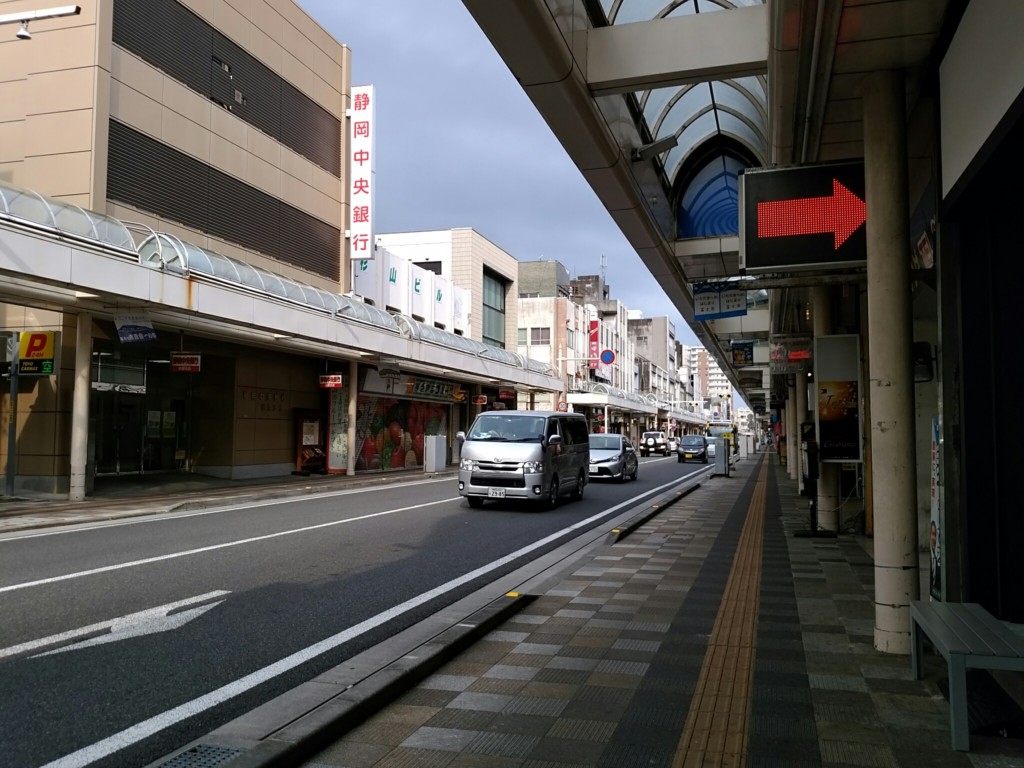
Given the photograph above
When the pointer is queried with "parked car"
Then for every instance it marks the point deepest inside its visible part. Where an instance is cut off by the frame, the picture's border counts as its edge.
(673, 443)
(612, 456)
(654, 442)
(694, 448)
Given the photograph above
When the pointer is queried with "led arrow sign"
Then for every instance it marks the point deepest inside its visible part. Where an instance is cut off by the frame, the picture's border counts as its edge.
(802, 218)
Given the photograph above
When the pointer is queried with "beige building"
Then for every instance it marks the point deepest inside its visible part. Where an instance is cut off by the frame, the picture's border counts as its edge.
(182, 166)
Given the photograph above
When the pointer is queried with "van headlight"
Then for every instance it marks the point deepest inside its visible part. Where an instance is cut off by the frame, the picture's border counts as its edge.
(533, 467)
(469, 464)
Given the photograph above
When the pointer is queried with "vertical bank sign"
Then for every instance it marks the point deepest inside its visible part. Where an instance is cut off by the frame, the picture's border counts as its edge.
(595, 343)
(361, 172)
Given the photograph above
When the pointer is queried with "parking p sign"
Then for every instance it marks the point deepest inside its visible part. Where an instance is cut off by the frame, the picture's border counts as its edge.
(36, 353)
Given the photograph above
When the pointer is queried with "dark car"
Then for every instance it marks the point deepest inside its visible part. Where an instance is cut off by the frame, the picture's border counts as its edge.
(692, 448)
(612, 456)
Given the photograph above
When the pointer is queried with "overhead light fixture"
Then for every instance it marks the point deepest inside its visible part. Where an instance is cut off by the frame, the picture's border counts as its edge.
(647, 151)
(23, 33)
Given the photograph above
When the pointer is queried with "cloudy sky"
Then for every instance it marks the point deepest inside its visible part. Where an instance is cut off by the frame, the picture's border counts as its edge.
(460, 145)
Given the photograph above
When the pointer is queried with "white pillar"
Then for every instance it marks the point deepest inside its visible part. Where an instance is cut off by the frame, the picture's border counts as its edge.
(891, 387)
(80, 407)
(792, 444)
(353, 412)
(828, 472)
(800, 381)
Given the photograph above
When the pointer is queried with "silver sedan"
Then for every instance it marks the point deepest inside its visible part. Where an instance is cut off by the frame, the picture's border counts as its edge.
(612, 456)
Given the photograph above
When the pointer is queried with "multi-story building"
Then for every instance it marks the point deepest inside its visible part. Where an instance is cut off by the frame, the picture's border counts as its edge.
(222, 139)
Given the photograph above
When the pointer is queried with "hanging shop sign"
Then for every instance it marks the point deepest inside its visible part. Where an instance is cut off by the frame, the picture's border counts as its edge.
(479, 399)
(506, 394)
(743, 353)
(715, 300)
(802, 217)
(134, 327)
(36, 353)
(595, 343)
(789, 354)
(331, 381)
(186, 362)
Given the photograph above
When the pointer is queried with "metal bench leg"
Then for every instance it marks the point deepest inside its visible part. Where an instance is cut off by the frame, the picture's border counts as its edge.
(916, 649)
(958, 724)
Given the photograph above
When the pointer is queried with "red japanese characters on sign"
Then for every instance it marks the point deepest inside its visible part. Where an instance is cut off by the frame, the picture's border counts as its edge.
(331, 381)
(361, 169)
(595, 343)
(185, 362)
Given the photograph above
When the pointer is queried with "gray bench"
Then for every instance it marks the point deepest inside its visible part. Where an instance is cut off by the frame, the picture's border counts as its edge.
(968, 637)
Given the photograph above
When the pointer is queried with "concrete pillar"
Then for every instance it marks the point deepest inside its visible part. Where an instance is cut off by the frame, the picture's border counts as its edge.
(800, 382)
(792, 445)
(891, 382)
(80, 407)
(828, 473)
(353, 414)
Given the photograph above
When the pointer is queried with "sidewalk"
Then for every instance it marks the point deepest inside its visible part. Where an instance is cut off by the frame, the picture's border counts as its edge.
(648, 651)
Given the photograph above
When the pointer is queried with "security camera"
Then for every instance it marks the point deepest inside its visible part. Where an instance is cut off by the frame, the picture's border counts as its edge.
(23, 33)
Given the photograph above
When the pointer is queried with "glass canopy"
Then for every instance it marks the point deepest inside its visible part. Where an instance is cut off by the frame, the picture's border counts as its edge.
(720, 127)
(64, 217)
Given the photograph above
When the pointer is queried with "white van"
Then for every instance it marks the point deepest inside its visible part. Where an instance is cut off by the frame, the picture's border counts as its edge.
(537, 455)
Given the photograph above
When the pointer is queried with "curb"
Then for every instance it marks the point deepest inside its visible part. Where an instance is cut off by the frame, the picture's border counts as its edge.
(306, 719)
(354, 698)
(619, 533)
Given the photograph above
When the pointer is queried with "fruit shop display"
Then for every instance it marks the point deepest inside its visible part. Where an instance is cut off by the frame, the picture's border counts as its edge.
(390, 433)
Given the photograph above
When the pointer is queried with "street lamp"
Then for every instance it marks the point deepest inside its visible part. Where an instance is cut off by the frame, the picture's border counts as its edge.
(24, 17)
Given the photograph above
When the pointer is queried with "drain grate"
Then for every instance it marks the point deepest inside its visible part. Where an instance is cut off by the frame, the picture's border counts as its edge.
(202, 756)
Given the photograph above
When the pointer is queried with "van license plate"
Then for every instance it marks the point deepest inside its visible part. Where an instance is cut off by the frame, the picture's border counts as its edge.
(496, 493)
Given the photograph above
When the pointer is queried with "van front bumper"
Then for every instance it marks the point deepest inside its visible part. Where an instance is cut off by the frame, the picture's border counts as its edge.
(501, 485)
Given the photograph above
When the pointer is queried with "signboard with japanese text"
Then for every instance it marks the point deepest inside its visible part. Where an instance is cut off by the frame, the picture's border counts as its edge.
(462, 300)
(185, 362)
(134, 327)
(37, 352)
(366, 279)
(421, 287)
(713, 301)
(362, 163)
(442, 302)
(331, 381)
(415, 387)
(802, 217)
(789, 354)
(396, 280)
(595, 343)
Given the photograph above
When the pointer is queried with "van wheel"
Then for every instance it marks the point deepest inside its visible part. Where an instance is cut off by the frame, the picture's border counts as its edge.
(577, 492)
(552, 500)
(474, 501)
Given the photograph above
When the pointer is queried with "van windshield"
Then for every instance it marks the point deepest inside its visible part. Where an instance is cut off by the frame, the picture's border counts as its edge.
(508, 428)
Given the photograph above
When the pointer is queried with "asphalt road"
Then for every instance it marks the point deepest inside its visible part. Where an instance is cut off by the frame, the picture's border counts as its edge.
(123, 641)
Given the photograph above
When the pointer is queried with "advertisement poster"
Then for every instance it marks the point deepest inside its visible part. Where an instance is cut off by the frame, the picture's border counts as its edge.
(337, 430)
(837, 381)
(935, 524)
(743, 353)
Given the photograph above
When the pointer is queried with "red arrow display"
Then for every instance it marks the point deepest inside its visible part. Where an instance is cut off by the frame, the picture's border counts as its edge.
(841, 214)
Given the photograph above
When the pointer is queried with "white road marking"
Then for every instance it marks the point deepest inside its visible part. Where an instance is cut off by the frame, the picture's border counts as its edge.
(214, 547)
(172, 515)
(157, 723)
(119, 625)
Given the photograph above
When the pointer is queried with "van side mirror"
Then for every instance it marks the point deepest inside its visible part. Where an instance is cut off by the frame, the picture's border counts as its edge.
(554, 440)
(460, 436)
